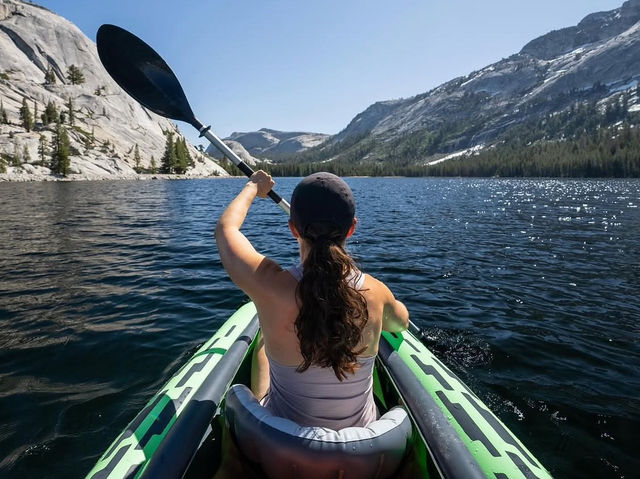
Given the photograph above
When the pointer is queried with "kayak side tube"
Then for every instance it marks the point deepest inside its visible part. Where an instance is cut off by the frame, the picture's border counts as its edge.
(182, 410)
(463, 437)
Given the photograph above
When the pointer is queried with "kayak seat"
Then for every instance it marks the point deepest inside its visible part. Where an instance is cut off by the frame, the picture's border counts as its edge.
(285, 449)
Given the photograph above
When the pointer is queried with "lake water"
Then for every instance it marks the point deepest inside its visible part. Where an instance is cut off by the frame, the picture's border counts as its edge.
(528, 289)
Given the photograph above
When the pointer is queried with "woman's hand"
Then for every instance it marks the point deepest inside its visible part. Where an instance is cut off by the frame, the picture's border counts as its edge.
(263, 182)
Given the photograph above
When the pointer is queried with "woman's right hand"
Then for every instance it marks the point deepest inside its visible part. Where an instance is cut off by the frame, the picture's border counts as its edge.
(263, 181)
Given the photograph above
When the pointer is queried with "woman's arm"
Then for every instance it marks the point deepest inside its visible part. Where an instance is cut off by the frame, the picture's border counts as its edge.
(395, 316)
(246, 267)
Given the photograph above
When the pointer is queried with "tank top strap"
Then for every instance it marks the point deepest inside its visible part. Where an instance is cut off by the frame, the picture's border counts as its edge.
(356, 278)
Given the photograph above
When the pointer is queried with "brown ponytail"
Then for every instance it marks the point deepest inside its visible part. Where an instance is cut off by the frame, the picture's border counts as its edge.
(332, 312)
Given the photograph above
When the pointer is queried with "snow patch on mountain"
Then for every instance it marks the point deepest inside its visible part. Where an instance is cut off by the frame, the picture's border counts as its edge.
(457, 155)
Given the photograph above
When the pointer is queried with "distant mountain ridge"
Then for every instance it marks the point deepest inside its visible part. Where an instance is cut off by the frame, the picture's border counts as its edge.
(589, 62)
(267, 142)
(237, 148)
(592, 29)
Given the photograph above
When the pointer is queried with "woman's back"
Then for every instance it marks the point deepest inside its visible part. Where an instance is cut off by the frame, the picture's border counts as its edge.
(278, 314)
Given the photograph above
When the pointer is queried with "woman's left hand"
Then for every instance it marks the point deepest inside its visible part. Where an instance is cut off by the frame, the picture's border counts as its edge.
(263, 181)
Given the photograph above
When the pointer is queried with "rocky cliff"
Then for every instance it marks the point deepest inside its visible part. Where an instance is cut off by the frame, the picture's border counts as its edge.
(107, 125)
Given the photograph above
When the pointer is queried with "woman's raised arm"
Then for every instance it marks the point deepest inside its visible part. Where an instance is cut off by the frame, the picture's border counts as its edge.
(238, 256)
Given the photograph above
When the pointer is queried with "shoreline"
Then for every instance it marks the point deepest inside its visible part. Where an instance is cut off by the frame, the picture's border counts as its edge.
(46, 178)
(31, 178)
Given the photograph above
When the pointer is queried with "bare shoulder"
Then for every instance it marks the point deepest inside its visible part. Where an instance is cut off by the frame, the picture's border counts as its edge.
(394, 314)
(275, 300)
(273, 281)
(376, 288)
(268, 269)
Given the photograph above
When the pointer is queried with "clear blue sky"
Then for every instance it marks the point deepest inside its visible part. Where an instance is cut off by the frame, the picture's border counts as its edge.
(313, 65)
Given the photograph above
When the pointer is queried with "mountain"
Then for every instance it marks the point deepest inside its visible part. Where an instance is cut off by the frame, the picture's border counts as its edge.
(235, 146)
(589, 63)
(268, 143)
(107, 124)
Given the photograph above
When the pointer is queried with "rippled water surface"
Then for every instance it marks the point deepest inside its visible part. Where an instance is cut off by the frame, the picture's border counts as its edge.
(528, 289)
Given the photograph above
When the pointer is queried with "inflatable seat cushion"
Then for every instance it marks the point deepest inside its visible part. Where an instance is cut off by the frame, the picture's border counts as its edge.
(286, 449)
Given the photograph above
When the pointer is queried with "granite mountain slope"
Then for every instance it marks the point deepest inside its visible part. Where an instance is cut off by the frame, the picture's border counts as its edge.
(34, 40)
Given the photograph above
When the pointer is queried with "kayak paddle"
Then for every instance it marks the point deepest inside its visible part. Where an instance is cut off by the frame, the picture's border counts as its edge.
(147, 78)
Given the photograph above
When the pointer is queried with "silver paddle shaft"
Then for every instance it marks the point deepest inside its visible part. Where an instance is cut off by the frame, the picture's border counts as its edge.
(246, 169)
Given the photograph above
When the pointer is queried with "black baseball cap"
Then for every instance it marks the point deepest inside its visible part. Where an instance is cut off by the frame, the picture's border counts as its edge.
(323, 200)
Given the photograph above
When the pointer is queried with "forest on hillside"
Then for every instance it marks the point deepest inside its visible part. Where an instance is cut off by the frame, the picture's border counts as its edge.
(587, 140)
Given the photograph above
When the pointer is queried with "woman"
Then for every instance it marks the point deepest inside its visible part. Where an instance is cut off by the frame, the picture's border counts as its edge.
(321, 320)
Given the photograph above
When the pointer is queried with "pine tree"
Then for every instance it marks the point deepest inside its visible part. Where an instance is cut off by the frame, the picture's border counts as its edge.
(136, 158)
(625, 105)
(26, 156)
(74, 75)
(16, 160)
(190, 162)
(25, 116)
(169, 160)
(60, 161)
(90, 139)
(154, 168)
(49, 76)
(181, 157)
(72, 117)
(43, 148)
(35, 112)
(4, 120)
(50, 114)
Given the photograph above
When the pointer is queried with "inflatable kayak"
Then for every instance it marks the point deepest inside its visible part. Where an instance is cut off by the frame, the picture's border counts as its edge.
(188, 427)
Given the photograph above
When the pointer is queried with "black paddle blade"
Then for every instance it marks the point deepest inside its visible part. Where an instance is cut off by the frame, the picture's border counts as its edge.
(142, 73)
